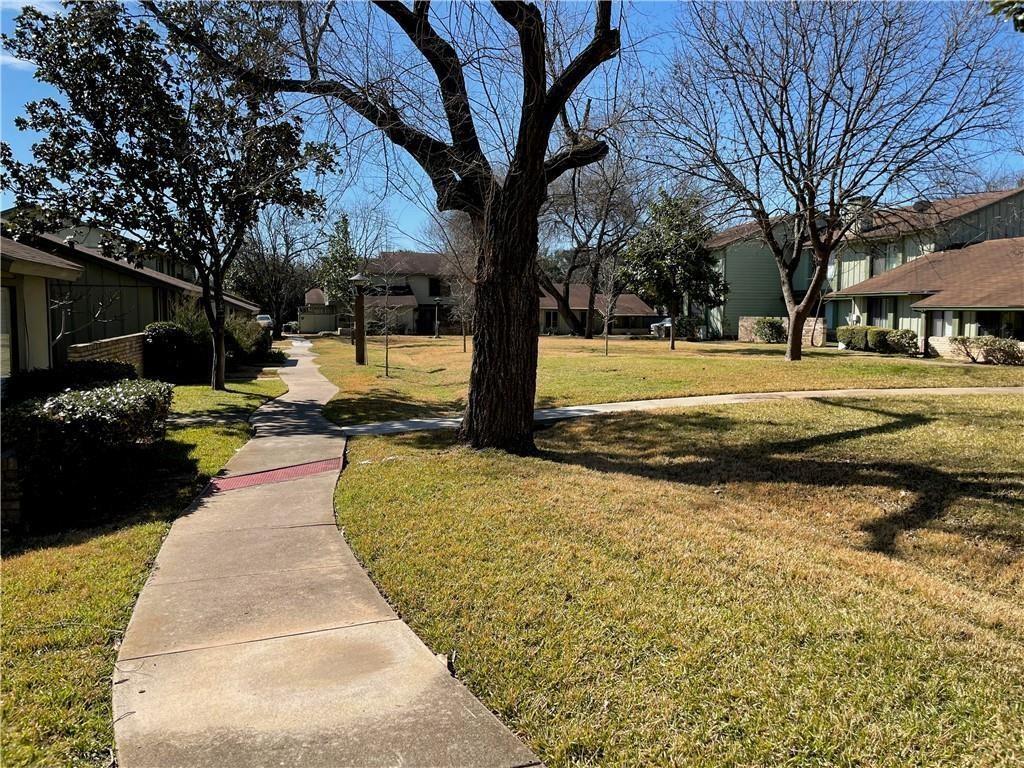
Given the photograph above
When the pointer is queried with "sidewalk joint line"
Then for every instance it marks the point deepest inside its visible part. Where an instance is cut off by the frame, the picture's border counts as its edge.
(299, 633)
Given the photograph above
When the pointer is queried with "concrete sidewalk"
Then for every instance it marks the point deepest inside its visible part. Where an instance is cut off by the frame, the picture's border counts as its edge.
(578, 411)
(258, 640)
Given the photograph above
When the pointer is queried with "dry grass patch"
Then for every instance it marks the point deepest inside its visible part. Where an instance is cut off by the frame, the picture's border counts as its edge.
(429, 377)
(787, 583)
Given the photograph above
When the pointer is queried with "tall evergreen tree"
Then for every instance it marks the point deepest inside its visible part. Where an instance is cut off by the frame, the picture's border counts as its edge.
(669, 262)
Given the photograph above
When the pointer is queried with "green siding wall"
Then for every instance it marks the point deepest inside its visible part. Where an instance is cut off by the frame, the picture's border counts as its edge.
(754, 287)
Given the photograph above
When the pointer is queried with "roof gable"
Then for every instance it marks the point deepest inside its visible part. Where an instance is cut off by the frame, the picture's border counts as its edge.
(986, 275)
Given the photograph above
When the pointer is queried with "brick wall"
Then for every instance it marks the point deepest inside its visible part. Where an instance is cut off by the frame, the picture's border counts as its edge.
(939, 346)
(814, 332)
(127, 349)
(10, 491)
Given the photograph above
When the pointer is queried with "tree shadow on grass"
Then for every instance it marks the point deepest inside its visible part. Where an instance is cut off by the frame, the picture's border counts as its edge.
(388, 406)
(653, 446)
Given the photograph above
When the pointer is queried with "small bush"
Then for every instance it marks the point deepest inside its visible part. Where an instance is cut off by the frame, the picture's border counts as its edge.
(878, 339)
(770, 330)
(844, 335)
(173, 354)
(903, 341)
(859, 337)
(999, 351)
(74, 375)
(246, 340)
(964, 346)
(69, 445)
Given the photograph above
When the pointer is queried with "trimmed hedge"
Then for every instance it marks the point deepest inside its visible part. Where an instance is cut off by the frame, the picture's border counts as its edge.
(770, 330)
(74, 375)
(67, 444)
(869, 338)
(173, 353)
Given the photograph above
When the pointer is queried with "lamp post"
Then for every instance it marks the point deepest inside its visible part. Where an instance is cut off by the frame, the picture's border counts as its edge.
(359, 282)
(437, 317)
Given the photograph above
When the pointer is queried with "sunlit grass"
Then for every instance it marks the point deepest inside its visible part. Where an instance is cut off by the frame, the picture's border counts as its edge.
(430, 377)
(67, 598)
(787, 583)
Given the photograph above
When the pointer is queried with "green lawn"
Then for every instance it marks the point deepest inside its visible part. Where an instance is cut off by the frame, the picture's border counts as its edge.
(798, 583)
(430, 376)
(67, 598)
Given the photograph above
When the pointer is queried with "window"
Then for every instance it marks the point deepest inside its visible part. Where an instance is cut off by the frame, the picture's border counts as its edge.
(942, 323)
(990, 323)
(439, 287)
(550, 318)
(878, 311)
(8, 349)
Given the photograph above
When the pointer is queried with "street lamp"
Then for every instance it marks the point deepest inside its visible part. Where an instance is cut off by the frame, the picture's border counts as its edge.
(359, 282)
(437, 320)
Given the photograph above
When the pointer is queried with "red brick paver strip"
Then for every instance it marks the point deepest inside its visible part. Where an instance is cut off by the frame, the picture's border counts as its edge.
(279, 475)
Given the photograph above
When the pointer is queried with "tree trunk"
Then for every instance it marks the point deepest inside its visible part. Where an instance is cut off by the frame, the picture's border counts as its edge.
(503, 377)
(795, 338)
(463, 335)
(219, 363)
(561, 302)
(595, 274)
(673, 311)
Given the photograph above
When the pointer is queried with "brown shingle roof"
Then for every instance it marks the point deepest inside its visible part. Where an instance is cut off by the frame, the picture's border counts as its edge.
(153, 275)
(899, 221)
(627, 304)
(988, 275)
(13, 249)
(889, 222)
(732, 235)
(406, 263)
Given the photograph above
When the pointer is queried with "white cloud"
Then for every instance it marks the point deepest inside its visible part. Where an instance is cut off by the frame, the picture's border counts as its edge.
(46, 6)
(10, 62)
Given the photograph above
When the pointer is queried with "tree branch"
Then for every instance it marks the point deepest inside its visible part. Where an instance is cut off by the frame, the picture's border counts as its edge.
(443, 59)
(584, 152)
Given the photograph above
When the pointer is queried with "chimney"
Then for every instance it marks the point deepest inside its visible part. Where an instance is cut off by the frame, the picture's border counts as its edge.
(858, 209)
(923, 205)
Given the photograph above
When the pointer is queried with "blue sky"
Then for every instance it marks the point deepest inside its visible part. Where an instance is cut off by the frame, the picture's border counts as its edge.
(407, 211)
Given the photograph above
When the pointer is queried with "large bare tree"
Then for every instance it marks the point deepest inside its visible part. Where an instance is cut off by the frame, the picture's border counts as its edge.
(803, 112)
(420, 80)
(595, 211)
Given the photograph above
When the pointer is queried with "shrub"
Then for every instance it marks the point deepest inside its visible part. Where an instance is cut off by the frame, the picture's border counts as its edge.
(999, 351)
(770, 330)
(173, 354)
(844, 335)
(878, 339)
(903, 341)
(246, 339)
(187, 314)
(68, 445)
(687, 327)
(859, 337)
(74, 375)
(964, 347)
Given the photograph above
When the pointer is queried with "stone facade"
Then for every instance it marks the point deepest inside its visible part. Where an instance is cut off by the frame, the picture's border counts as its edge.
(815, 330)
(10, 491)
(127, 349)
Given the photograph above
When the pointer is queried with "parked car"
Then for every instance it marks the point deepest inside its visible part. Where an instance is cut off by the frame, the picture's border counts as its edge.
(265, 321)
(292, 326)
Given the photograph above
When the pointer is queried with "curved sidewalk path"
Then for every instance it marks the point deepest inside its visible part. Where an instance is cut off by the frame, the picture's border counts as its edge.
(258, 640)
(578, 411)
